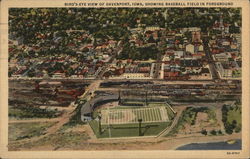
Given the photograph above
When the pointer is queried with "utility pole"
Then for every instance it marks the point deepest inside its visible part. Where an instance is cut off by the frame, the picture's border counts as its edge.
(140, 121)
(99, 124)
(119, 97)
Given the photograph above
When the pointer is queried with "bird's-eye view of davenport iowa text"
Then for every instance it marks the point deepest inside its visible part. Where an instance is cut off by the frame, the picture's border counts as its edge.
(124, 78)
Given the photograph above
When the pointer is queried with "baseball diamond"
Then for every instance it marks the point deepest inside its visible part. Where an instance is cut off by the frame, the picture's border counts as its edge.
(130, 116)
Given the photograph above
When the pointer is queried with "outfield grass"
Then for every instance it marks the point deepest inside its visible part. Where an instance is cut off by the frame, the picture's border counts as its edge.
(128, 130)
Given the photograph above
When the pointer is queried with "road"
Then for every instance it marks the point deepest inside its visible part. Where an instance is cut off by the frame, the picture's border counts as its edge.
(158, 66)
(91, 89)
(211, 61)
(115, 53)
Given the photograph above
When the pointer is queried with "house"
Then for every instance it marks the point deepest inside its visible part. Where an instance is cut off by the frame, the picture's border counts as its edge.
(222, 57)
(190, 48)
(171, 74)
(191, 63)
(178, 54)
(134, 75)
(223, 71)
(219, 25)
(205, 72)
(191, 29)
(196, 36)
(152, 28)
(58, 75)
(200, 48)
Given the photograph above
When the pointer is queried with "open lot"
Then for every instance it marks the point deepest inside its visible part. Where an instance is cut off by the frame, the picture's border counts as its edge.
(20, 131)
(194, 120)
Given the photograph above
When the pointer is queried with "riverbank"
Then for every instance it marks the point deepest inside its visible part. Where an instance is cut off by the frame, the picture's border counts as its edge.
(170, 143)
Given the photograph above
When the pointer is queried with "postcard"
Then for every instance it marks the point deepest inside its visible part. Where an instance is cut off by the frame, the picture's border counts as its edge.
(124, 79)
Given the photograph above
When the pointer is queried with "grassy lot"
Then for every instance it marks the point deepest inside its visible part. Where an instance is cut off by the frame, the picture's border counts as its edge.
(234, 114)
(58, 140)
(211, 115)
(19, 131)
(231, 117)
(128, 130)
(189, 115)
(32, 112)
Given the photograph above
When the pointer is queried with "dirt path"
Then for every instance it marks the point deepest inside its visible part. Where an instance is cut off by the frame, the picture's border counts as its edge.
(63, 120)
(219, 119)
(90, 132)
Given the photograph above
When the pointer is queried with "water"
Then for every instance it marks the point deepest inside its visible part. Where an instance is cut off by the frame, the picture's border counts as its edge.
(212, 146)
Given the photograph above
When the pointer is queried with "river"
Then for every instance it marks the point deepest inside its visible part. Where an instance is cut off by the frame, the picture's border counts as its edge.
(212, 146)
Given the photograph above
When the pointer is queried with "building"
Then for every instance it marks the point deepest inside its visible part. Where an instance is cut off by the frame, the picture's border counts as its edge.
(223, 72)
(191, 29)
(190, 48)
(58, 75)
(222, 57)
(136, 76)
(196, 36)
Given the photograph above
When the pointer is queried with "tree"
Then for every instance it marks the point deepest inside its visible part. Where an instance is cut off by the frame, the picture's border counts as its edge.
(204, 131)
(219, 132)
(229, 128)
(234, 124)
(213, 132)
(238, 128)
